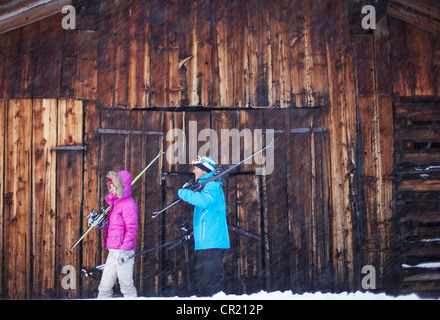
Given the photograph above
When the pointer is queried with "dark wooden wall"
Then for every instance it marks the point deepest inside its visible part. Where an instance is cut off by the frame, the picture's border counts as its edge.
(139, 65)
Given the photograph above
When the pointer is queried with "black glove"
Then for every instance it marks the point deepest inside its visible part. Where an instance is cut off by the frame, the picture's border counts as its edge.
(191, 185)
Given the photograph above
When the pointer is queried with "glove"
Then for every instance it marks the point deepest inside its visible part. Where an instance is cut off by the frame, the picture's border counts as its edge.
(191, 185)
(123, 257)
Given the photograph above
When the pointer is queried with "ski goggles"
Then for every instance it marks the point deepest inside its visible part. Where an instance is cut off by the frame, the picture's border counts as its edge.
(204, 163)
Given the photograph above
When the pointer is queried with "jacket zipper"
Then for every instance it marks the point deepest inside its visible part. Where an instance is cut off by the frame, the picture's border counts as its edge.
(202, 229)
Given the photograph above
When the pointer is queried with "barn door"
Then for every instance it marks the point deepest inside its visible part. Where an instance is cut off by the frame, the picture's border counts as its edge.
(129, 140)
(287, 205)
(417, 170)
(201, 133)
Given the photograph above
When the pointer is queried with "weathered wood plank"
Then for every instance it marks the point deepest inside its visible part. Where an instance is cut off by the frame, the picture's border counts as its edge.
(400, 10)
(150, 283)
(421, 57)
(22, 15)
(137, 158)
(342, 126)
(86, 84)
(138, 76)
(418, 111)
(26, 59)
(91, 253)
(113, 54)
(18, 206)
(44, 137)
(173, 268)
(196, 127)
(48, 68)
(3, 132)
(258, 50)
(419, 185)
(250, 273)
(278, 245)
(401, 67)
(69, 193)
(69, 63)
(159, 55)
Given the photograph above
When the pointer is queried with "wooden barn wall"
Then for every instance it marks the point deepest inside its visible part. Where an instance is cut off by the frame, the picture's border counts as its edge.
(137, 65)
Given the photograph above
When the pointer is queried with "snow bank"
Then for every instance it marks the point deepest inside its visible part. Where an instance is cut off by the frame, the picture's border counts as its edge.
(288, 295)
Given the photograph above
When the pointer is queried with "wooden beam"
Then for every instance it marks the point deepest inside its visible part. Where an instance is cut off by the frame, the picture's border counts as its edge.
(13, 17)
(416, 15)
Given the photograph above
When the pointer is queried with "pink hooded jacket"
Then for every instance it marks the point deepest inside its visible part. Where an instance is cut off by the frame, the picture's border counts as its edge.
(122, 227)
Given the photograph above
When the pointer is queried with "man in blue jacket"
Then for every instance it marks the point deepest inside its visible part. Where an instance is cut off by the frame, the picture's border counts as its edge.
(210, 228)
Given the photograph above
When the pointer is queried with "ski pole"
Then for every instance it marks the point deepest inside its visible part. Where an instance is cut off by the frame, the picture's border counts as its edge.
(213, 178)
(89, 272)
(105, 213)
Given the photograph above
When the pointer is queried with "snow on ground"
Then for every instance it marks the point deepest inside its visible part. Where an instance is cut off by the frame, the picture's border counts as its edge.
(288, 295)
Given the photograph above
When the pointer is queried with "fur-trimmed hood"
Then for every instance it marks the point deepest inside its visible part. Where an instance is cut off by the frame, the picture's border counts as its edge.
(122, 182)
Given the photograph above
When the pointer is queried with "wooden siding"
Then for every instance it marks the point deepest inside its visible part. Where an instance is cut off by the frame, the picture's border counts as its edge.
(158, 65)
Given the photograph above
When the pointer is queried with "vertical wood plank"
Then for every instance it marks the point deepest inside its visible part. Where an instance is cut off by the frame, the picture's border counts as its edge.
(222, 19)
(5, 56)
(176, 78)
(300, 200)
(403, 73)
(137, 158)
(150, 268)
(342, 126)
(204, 39)
(222, 123)
(44, 197)
(113, 53)
(278, 239)
(276, 54)
(139, 55)
(91, 251)
(69, 62)
(319, 71)
(47, 79)
(26, 59)
(18, 207)
(421, 56)
(258, 46)
(86, 83)
(3, 121)
(173, 271)
(250, 272)
(159, 55)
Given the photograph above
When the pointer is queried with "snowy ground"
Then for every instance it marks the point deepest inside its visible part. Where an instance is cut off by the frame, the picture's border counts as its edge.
(288, 295)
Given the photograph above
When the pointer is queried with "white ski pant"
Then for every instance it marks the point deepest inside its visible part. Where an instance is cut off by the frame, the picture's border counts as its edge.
(123, 272)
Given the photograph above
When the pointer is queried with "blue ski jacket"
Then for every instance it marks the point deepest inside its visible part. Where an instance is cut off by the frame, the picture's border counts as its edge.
(209, 220)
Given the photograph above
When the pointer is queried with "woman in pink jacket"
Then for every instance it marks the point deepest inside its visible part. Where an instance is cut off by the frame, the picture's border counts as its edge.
(120, 236)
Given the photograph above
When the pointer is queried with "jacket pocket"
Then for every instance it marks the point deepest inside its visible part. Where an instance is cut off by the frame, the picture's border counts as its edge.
(115, 240)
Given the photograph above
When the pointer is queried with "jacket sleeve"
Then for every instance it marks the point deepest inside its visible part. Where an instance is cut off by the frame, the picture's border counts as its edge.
(130, 216)
(205, 198)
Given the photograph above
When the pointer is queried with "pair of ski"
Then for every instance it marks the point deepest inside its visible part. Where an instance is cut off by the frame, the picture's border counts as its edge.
(220, 175)
(105, 213)
(217, 176)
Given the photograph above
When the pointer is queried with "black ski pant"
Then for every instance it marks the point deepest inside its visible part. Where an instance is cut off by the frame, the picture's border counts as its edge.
(209, 271)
